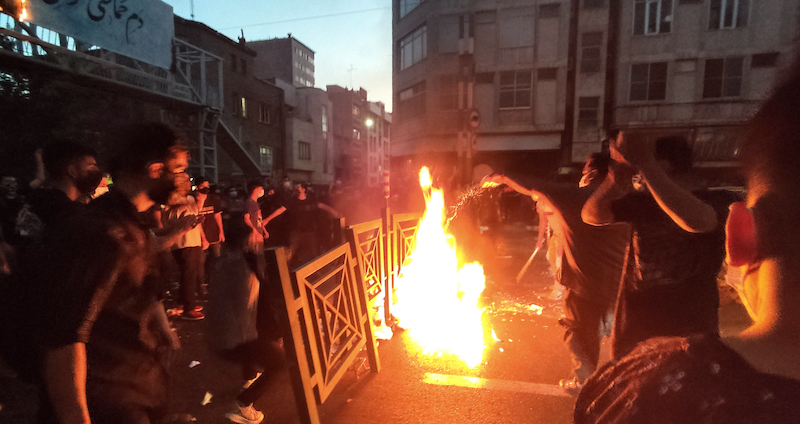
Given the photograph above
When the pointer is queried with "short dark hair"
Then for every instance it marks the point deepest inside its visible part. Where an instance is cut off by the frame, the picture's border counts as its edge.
(200, 180)
(59, 154)
(252, 185)
(675, 149)
(139, 145)
(599, 161)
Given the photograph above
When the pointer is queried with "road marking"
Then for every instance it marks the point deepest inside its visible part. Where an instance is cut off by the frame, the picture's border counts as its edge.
(483, 383)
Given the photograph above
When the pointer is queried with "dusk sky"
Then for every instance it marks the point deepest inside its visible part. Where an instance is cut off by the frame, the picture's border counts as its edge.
(342, 34)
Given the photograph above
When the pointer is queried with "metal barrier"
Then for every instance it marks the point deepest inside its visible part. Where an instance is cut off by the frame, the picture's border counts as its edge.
(330, 304)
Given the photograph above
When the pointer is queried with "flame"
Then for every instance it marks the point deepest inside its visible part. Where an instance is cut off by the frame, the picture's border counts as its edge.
(436, 301)
(23, 14)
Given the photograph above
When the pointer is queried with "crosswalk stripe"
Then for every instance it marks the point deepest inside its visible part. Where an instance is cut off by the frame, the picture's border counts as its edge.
(484, 383)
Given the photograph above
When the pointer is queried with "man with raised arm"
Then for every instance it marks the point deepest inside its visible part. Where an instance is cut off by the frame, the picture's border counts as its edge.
(753, 376)
(669, 284)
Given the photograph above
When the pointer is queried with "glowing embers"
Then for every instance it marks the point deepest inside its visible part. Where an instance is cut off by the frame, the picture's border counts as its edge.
(436, 301)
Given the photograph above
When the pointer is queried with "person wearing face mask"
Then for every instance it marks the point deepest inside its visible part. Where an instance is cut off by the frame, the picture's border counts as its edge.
(589, 264)
(96, 341)
(72, 175)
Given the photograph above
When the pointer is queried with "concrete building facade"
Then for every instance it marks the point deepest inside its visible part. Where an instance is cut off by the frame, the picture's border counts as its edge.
(539, 84)
(250, 129)
(361, 132)
(308, 155)
(284, 58)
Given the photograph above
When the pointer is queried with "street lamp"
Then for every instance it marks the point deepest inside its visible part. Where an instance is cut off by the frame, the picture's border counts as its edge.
(369, 122)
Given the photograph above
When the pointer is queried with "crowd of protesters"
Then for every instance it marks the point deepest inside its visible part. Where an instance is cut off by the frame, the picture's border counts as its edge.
(94, 252)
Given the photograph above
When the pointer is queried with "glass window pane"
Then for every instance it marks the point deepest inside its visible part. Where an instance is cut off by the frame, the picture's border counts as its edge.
(506, 78)
(506, 99)
(714, 13)
(657, 90)
(652, 18)
(639, 73)
(523, 98)
(727, 21)
(731, 87)
(744, 10)
(639, 17)
(733, 66)
(638, 92)
(524, 79)
(658, 71)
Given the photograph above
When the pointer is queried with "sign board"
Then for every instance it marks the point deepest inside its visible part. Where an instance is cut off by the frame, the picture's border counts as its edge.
(140, 29)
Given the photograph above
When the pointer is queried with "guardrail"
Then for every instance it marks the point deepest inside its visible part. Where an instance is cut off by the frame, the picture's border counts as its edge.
(333, 302)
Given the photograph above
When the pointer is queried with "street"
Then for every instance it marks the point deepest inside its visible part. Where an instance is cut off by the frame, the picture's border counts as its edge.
(517, 383)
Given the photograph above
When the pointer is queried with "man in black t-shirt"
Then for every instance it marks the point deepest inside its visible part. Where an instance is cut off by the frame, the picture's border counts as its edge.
(748, 378)
(95, 341)
(669, 285)
(591, 261)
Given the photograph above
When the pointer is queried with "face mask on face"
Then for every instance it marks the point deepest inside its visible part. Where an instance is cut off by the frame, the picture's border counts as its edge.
(87, 183)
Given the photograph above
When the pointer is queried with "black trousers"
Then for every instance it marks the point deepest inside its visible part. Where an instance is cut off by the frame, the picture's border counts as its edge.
(190, 262)
(584, 323)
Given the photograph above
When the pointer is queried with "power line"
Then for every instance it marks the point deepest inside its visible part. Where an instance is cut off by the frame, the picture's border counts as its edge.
(307, 18)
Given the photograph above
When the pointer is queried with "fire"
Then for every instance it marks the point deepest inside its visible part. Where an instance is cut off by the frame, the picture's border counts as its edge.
(436, 301)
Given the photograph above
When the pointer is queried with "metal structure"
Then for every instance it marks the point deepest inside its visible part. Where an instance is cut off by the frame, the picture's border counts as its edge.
(368, 242)
(326, 324)
(190, 92)
(331, 304)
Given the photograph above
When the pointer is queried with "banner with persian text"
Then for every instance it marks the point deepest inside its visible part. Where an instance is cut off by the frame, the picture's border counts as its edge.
(141, 29)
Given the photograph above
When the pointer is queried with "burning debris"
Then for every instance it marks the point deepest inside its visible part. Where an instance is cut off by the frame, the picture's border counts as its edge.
(437, 297)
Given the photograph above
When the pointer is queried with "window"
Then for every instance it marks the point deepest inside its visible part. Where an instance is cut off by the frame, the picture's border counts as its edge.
(588, 111)
(448, 92)
(244, 107)
(652, 16)
(264, 113)
(412, 101)
(233, 62)
(593, 4)
(764, 60)
(236, 101)
(407, 6)
(515, 89)
(728, 14)
(304, 151)
(244, 67)
(648, 81)
(324, 118)
(356, 134)
(550, 10)
(591, 43)
(723, 77)
(265, 156)
(356, 111)
(414, 47)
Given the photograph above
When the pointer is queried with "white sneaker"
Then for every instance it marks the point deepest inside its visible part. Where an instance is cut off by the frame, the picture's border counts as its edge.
(245, 415)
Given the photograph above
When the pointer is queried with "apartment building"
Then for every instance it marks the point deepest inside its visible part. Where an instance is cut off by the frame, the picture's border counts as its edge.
(536, 86)
(250, 129)
(360, 137)
(284, 58)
